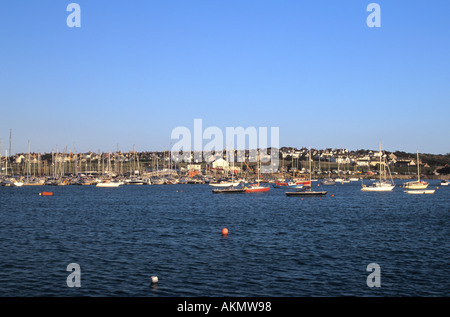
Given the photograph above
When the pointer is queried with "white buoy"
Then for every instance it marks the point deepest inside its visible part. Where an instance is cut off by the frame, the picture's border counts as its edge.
(154, 279)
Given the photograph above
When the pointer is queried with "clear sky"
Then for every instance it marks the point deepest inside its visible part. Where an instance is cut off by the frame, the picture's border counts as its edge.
(137, 69)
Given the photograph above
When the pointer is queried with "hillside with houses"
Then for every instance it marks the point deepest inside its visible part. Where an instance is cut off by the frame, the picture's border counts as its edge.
(291, 160)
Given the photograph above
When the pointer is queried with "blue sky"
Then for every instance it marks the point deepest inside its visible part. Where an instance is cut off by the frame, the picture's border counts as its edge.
(135, 70)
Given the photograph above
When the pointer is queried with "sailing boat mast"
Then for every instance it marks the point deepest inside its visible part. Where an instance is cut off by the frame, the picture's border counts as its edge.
(380, 162)
(310, 177)
(418, 167)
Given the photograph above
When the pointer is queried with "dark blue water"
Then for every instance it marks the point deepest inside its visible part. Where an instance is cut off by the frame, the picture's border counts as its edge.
(276, 246)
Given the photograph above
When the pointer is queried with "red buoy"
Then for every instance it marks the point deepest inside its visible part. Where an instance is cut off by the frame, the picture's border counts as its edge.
(224, 231)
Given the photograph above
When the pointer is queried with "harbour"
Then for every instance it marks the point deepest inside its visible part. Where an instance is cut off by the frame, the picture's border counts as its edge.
(236, 151)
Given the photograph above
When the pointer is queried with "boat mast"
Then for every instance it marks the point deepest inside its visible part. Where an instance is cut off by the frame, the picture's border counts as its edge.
(310, 182)
(1, 164)
(380, 163)
(259, 167)
(6, 163)
(418, 168)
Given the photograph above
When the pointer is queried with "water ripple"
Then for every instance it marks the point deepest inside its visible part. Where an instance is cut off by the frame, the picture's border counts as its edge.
(276, 246)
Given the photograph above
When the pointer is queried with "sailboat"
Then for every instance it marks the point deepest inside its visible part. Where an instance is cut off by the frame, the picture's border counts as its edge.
(329, 181)
(416, 184)
(287, 184)
(225, 184)
(230, 187)
(383, 185)
(108, 184)
(307, 192)
(257, 188)
(229, 190)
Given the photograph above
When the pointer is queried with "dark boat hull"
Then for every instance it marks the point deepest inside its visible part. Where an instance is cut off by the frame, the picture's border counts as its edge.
(228, 191)
(306, 193)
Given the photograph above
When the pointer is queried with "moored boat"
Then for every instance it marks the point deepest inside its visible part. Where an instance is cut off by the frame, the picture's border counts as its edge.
(307, 192)
(229, 190)
(287, 186)
(108, 184)
(382, 185)
(225, 184)
(416, 184)
(329, 181)
(256, 188)
(420, 192)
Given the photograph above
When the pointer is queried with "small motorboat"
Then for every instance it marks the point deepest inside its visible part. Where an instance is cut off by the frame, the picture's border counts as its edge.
(287, 185)
(256, 188)
(108, 184)
(420, 192)
(307, 193)
(229, 190)
(225, 184)
(328, 182)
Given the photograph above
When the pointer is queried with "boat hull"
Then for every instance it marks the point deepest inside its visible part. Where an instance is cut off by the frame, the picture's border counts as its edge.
(420, 192)
(109, 185)
(287, 186)
(257, 189)
(229, 191)
(224, 184)
(377, 188)
(416, 185)
(307, 193)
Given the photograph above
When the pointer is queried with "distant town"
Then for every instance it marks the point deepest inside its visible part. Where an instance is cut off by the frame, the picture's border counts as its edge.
(292, 161)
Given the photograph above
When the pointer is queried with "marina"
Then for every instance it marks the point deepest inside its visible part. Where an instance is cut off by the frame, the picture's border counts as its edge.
(227, 149)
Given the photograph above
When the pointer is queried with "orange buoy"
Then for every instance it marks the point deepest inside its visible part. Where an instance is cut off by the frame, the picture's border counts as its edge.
(332, 195)
(224, 231)
(46, 194)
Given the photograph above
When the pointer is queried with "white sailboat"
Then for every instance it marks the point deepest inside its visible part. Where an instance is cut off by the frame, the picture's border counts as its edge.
(416, 184)
(225, 184)
(108, 184)
(256, 188)
(383, 185)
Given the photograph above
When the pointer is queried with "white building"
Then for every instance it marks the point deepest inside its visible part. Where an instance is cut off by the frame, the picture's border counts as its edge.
(221, 163)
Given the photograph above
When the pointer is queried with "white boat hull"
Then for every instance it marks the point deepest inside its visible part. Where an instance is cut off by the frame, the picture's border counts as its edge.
(420, 192)
(107, 185)
(415, 185)
(377, 188)
(224, 184)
